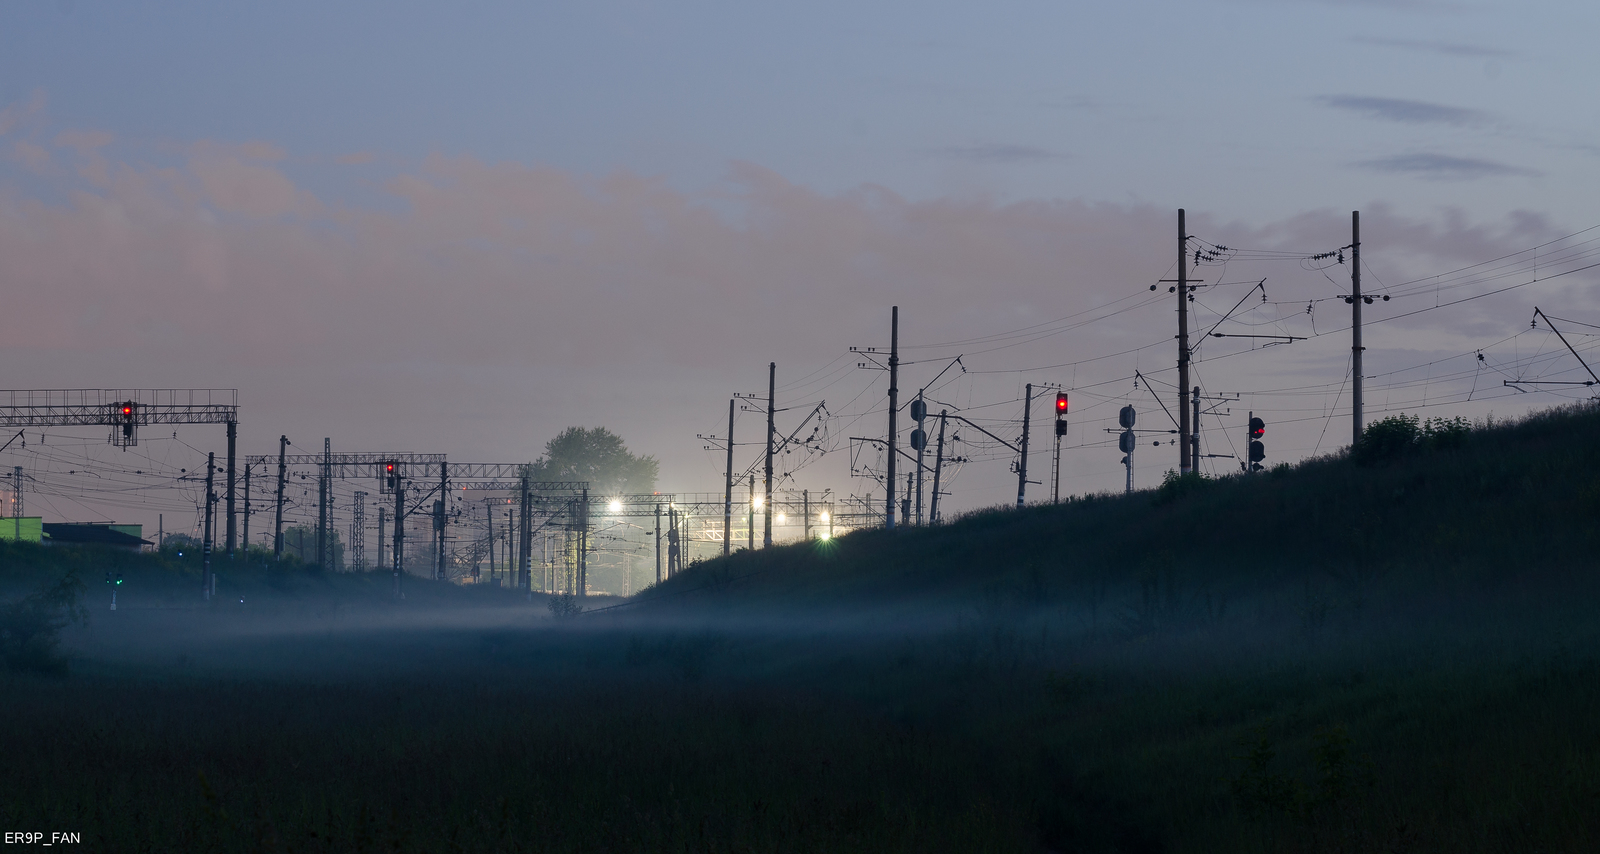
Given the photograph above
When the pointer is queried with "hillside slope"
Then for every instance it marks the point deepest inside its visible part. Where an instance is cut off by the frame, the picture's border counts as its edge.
(1514, 502)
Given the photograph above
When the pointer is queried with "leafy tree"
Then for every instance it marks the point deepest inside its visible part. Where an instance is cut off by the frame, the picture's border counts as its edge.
(598, 456)
(30, 627)
(1399, 434)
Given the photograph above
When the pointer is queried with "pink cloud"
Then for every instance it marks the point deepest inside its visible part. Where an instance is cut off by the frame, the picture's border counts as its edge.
(34, 158)
(503, 301)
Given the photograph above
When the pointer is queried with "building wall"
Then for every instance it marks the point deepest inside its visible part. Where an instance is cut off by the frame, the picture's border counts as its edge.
(32, 529)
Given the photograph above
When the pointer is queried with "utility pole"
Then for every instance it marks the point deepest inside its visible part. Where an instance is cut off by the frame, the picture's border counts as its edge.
(672, 540)
(805, 499)
(772, 387)
(938, 468)
(1055, 466)
(358, 530)
(16, 504)
(894, 405)
(583, 544)
(277, 525)
(246, 535)
(1194, 438)
(750, 523)
(381, 511)
(1022, 466)
(1355, 326)
(233, 435)
(322, 503)
(922, 446)
(1183, 345)
(440, 519)
(205, 535)
(658, 539)
(727, 498)
(399, 530)
(524, 530)
(488, 519)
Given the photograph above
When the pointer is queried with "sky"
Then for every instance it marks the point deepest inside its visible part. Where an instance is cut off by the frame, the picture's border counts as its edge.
(458, 229)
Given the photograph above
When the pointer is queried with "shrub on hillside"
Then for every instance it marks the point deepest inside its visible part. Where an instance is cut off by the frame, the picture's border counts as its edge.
(1175, 486)
(1401, 434)
(30, 627)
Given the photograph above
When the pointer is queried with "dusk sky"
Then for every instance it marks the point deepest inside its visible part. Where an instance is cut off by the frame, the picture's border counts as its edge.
(459, 228)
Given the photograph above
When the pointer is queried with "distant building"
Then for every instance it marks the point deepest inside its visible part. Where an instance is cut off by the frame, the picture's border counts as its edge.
(28, 529)
(102, 534)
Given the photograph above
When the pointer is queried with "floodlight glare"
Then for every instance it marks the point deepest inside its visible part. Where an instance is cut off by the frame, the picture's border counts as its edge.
(823, 517)
(780, 518)
(758, 501)
(614, 506)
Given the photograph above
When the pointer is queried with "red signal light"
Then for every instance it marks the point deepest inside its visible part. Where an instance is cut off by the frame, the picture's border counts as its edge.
(1061, 403)
(127, 410)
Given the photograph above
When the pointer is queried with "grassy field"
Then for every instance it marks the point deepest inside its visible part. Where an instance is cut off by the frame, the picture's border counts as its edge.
(1399, 655)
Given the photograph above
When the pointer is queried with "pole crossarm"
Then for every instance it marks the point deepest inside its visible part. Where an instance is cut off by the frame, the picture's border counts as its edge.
(105, 407)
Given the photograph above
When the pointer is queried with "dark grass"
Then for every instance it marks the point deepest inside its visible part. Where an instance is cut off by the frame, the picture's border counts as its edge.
(1396, 657)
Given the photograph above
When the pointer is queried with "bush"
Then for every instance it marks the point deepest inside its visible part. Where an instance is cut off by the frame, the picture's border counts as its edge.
(30, 628)
(1175, 486)
(1400, 434)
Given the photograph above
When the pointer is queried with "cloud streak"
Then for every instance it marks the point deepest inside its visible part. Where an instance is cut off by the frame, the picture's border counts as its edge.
(1443, 48)
(1444, 167)
(1408, 112)
(998, 153)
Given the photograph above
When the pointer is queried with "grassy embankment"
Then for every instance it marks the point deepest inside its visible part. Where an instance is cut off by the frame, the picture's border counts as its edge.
(1391, 657)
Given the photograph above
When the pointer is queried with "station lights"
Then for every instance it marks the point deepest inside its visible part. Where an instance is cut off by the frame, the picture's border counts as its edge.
(757, 502)
(780, 519)
(615, 506)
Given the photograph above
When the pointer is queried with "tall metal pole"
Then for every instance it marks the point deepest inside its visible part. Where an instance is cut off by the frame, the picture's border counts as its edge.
(1194, 439)
(322, 504)
(233, 435)
(922, 448)
(1355, 326)
(1184, 460)
(772, 387)
(246, 535)
(658, 543)
(938, 468)
(16, 504)
(727, 498)
(1022, 466)
(381, 511)
(358, 532)
(805, 504)
(524, 548)
(442, 520)
(399, 546)
(750, 523)
(894, 406)
(277, 524)
(583, 544)
(205, 535)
